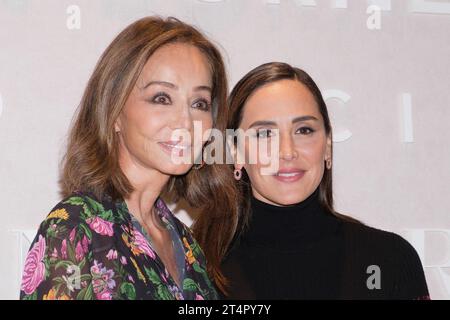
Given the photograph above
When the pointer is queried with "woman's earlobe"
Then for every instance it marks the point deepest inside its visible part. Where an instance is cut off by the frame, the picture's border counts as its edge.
(329, 163)
(116, 128)
(237, 174)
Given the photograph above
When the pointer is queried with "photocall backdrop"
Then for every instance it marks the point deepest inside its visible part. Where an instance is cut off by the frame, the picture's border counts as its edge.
(383, 66)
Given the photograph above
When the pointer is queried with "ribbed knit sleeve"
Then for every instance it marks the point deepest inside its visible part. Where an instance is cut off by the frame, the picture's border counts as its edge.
(410, 283)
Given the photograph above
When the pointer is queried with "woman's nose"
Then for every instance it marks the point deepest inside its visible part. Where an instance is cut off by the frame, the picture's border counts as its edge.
(287, 148)
(182, 119)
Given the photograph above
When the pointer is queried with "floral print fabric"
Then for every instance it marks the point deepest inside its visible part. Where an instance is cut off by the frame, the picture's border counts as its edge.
(91, 249)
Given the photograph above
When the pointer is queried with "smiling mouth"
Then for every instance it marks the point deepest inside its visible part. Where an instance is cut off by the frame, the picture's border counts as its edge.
(289, 176)
(175, 148)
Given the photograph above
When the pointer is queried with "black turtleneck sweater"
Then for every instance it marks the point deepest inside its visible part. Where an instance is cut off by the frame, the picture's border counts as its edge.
(305, 252)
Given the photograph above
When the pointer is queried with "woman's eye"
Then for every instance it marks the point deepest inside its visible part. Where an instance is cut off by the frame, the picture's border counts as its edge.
(202, 105)
(161, 98)
(264, 133)
(305, 130)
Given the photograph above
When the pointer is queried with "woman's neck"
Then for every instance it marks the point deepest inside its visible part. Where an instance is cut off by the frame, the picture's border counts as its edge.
(285, 225)
(148, 185)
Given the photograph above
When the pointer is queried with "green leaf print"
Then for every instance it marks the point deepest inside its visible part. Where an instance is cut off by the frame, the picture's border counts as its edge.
(120, 270)
(82, 263)
(46, 263)
(85, 293)
(163, 293)
(85, 277)
(63, 263)
(189, 285)
(96, 206)
(196, 250)
(122, 210)
(86, 230)
(153, 276)
(128, 290)
(89, 292)
(71, 252)
(107, 215)
(86, 213)
(50, 233)
(82, 294)
(75, 201)
(32, 296)
(197, 267)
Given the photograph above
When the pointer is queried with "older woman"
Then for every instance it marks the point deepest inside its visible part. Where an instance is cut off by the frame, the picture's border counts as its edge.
(296, 246)
(112, 236)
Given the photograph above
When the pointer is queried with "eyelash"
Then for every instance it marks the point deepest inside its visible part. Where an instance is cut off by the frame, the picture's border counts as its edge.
(305, 128)
(207, 106)
(159, 95)
(154, 100)
(265, 131)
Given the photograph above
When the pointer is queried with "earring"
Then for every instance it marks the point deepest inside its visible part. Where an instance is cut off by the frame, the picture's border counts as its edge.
(329, 163)
(237, 174)
(198, 167)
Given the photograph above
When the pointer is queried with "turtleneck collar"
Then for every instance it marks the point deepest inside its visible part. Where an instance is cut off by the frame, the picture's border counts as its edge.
(287, 226)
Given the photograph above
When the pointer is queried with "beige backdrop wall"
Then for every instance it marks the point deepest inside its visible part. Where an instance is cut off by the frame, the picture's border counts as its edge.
(383, 65)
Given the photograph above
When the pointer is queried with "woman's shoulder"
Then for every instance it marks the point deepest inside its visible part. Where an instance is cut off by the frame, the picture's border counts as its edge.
(75, 240)
(82, 211)
(377, 242)
(368, 235)
(396, 259)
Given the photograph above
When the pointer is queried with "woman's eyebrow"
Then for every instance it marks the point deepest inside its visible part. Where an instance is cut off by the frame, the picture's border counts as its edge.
(262, 123)
(273, 123)
(175, 87)
(304, 118)
(162, 83)
(203, 88)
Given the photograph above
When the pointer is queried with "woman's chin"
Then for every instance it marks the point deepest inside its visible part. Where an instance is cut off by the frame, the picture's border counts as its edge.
(176, 169)
(286, 200)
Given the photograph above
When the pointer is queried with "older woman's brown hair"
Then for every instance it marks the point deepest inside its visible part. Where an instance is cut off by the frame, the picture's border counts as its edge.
(91, 162)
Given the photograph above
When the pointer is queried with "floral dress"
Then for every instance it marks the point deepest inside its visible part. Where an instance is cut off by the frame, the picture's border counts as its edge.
(92, 249)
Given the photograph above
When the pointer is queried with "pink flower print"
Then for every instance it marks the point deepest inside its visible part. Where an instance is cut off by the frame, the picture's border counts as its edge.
(85, 244)
(54, 253)
(123, 260)
(64, 249)
(112, 254)
(79, 252)
(95, 268)
(198, 297)
(102, 281)
(34, 271)
(142, 244)
(101, 226)
(72, 235)
(105, 295)
(163, 277)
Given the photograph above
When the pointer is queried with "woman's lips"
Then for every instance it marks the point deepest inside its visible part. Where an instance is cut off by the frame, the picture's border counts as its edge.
(174, 148)
(289, 176)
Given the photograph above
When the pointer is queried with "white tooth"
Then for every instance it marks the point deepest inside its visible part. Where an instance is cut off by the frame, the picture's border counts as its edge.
(287, 174)
(178, 147)
(175, 146)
